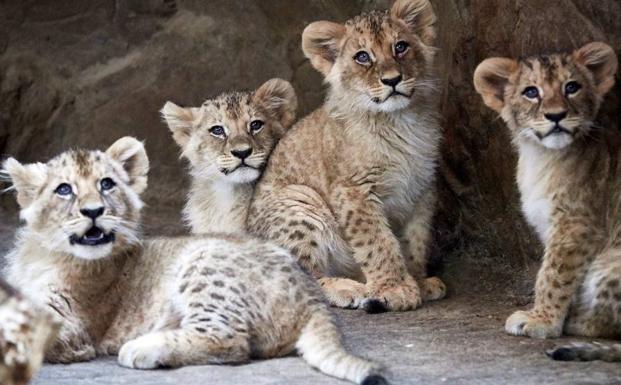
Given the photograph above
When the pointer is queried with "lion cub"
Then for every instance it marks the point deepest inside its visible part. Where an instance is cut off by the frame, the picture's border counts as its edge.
(570, 183)
(25, 332)
(162, 301)
(350, 189)
(227, 142)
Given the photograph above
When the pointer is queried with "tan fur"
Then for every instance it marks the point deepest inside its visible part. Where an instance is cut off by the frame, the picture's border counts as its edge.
(570, 181)
(212, 299)
(25, 332)
(350, 189)
(222, 185)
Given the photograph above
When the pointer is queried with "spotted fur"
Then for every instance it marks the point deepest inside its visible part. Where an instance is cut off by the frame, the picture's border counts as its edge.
(223, 183)
(213, 299)
(570, 183)
(25, 332)
(350, 188)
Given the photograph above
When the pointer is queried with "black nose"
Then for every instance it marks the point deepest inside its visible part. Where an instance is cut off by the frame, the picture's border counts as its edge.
(556, 117)
(92, 213)
(393, 81)
(242, 154)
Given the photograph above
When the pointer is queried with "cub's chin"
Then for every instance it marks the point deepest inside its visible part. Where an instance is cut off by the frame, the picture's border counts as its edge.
(243, 174)
(557, 141)
(92, 253)
(393, 103)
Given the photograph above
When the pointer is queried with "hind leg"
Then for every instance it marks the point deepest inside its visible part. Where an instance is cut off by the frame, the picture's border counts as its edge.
(211, 328)
(180, 347)
(597, 308)
(343, 292)
(297, 218)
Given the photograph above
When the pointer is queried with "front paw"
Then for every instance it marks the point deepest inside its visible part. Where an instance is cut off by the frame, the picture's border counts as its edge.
(433, 289)
(525, 323)
(394, 296)
(146, 352)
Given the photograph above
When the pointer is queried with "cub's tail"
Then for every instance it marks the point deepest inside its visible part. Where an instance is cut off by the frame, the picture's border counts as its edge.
(582, 351)
(320, 345)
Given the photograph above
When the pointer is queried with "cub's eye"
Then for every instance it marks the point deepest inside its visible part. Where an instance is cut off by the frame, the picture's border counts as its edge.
(217, 130)
(531, 92)
(64, 189)
(256, 126)
(401, 47)
(107, 184)
(362, 57)
(572, 87)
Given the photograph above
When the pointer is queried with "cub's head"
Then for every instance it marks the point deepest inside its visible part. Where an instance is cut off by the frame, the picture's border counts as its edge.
(83, 203)
(233, 135)
(551, 100)
(377, 61)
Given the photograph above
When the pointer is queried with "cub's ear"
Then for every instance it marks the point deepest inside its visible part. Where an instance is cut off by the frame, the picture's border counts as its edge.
(321, 44)
(130, 153)
(418, 15)
(491, 78)
(278, 96)
(27, 179)
(601, 60)
(180, 121)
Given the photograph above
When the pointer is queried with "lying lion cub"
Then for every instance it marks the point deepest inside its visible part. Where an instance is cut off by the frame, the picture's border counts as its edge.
(166, 301)
(570, 182)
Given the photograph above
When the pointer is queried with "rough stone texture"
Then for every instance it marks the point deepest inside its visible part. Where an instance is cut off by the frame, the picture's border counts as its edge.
(456, 342)
(83, 73)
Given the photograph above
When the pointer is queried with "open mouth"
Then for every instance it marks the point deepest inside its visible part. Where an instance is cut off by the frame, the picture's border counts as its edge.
(93, 237)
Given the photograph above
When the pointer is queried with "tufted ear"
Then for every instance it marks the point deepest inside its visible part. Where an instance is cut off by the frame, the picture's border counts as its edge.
(418, 15)
(491, 78)
(130, 153)
(278, 97)
(27, 179)
(321, 43)
(180, 121)
(601, 60)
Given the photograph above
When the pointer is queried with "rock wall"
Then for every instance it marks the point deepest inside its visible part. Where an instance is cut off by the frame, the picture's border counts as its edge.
(84, 73)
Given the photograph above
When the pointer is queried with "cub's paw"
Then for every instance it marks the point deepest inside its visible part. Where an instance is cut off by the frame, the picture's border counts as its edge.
(433, 289)
(397, 296)
(70, 348)
(524, 323)
(146, 352)
(67, 355)
(343, 292)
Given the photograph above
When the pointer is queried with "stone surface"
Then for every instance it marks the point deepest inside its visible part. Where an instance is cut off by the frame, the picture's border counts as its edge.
(84, 73)
(458, 341)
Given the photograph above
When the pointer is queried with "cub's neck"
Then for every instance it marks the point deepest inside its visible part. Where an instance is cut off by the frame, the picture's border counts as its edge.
(215, 205)
(34, 268)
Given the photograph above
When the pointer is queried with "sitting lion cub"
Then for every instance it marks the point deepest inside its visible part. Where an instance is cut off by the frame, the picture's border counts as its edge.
(227, 142)
(165, 301)
(350, 189)
(570, 183)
